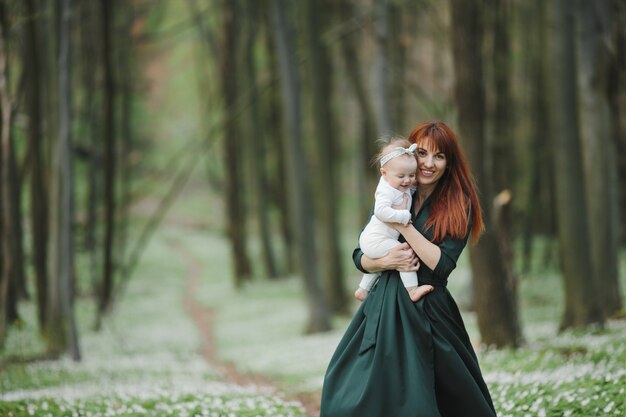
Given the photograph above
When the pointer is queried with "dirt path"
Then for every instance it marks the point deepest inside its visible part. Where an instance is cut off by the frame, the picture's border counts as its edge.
(204, 319)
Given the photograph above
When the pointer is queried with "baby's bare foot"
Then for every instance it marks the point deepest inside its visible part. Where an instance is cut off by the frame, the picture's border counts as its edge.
(418, 292)
(360, 294)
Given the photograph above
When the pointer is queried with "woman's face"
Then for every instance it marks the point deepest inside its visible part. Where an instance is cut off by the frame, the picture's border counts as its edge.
(431, 165)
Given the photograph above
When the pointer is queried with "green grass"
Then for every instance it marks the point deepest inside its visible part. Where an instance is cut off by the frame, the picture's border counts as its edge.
(574, 373)
(144, 362)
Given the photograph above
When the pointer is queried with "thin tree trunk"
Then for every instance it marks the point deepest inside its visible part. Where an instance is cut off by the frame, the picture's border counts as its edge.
(61, 332)
(125, 53)
(232, 147)
(617, 101)
(110, 164)
(599, 154)
(494, 297)
(320, 69)
(502, 147)
(278, 188)
(319, 315)
(382, 69)
(397, 59)
(13, 181)
(38, 191)
(539, 207)
(91, 38)
(5, 192)
(581, 302)
(366, 147)
(258, 144)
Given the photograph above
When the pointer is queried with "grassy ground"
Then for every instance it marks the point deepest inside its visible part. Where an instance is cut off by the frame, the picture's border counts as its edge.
(576, 373)
(145, 361)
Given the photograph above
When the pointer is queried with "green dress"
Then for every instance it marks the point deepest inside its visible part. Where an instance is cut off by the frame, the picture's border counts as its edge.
(404, 359)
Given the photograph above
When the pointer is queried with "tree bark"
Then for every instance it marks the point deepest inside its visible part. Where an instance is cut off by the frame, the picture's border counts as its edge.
(320, 70)
(581, 302)
(235, 189)
(277, 166)
(6, 253)
(599, 153)
(539, 213)
(617, 101)
(105, 298)
(36, 141)
(91, 42)
(494, 296)
(61, 332)
(382, 69)
(258, 143)
(366, 147)
(319, 317)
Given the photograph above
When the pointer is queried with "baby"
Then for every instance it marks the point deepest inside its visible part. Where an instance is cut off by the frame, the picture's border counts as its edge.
(392, 203)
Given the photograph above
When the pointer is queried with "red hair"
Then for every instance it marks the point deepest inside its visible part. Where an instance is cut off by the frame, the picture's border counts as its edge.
(455, 197)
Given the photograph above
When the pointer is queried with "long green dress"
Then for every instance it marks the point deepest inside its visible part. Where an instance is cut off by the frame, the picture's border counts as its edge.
(404, 359)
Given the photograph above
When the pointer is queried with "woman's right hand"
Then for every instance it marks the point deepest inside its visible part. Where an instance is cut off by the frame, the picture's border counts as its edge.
(401, 258)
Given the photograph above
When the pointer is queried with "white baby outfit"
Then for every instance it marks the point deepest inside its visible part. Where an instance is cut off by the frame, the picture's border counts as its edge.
(377, 239)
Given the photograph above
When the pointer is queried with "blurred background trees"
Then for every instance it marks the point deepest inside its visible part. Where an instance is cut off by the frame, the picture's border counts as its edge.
(292, 98)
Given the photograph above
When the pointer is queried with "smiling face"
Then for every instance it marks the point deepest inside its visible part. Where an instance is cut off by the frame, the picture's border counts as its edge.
(431, 164)
(399, 172)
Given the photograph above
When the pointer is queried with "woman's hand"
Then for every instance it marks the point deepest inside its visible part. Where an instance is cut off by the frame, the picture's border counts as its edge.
(401, 258)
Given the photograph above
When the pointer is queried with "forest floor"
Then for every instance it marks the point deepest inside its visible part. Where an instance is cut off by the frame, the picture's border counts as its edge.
(204, 319)
(182, 341)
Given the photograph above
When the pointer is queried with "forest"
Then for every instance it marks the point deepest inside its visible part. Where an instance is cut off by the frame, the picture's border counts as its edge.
(112, 111)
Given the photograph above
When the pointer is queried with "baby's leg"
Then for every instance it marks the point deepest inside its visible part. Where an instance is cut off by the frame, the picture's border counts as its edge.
(409, 279)
(418, 292)
(365, 286)
(361, 293)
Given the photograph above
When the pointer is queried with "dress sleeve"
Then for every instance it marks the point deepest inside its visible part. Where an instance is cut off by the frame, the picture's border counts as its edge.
(451, 249)
(357, 253)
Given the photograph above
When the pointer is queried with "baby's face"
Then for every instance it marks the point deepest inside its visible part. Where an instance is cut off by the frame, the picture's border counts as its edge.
(400, 172)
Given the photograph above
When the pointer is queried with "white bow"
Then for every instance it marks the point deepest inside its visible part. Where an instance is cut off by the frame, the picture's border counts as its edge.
(397, 152)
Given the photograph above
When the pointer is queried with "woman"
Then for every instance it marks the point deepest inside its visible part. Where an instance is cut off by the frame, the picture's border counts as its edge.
(404, 359)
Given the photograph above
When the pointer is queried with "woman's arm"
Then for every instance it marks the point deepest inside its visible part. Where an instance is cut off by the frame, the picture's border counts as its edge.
(401, 258)
(428, 252)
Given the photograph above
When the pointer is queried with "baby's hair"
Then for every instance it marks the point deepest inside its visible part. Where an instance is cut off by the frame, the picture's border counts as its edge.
(385, 142)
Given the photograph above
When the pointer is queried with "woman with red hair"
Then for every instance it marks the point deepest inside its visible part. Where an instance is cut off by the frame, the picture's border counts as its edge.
(404, 359)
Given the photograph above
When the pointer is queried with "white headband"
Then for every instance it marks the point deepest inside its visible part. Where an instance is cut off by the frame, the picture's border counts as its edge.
(397, 152)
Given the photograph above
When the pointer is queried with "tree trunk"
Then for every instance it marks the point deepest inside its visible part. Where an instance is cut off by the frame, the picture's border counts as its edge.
(539, 213)
(124, 54)
(38, 191)
(258, 144)
(278, 188)
(382, 70)
(17, 283)
(319, 317)
(327, 198)
(397, 47)
(617, 101)
(110, 164)
(595, 22)
(502, 147)
(61, 332)
(6, 253)
(494, 296)
(91, 40)
(581, 302)
(366, 147)
(235, 189)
